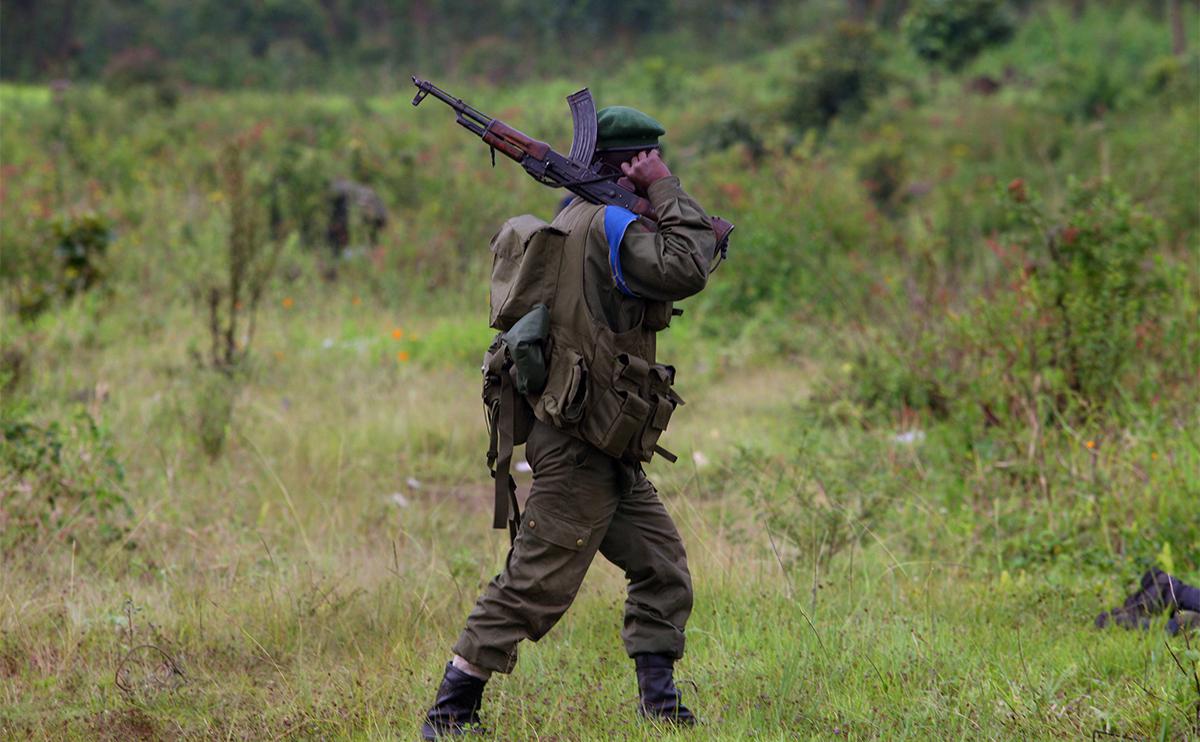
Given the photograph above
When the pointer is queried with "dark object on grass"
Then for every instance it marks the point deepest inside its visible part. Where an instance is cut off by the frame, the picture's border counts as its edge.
(1159, 592)
(658, 698)
(455, 711)
(983, 85)
(346, 196)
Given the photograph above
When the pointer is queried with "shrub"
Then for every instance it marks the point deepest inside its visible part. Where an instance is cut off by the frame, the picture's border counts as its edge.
(143, 68)
(838, 76)
(1093, 284)
(953, 32)
(882, 169)
(47, 259)
(250, 259)
(1084, 91)
(299, 193)
(81, 243)
(233, 298)
(214, 394)
(60, 480)
(1076, 309)
(1173, 77)
(733, 131)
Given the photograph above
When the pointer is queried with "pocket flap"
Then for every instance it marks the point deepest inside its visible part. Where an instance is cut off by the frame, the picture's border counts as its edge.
(662, 413)
(632, 368)
(556, 530)
(516, 233)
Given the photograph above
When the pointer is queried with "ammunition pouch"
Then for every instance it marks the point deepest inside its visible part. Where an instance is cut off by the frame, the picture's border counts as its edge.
(526, 344)
(621, 405)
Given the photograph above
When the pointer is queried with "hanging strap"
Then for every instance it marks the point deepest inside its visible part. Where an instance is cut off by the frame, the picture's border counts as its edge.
(502, 421)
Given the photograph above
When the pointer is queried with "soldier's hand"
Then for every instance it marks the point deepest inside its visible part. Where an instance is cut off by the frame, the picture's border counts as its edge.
(644, 169)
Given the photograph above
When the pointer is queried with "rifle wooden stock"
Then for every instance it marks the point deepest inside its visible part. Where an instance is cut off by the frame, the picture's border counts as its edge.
(513, 143)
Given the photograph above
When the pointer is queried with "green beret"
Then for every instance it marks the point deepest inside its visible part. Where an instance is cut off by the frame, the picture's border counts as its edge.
(621, 127)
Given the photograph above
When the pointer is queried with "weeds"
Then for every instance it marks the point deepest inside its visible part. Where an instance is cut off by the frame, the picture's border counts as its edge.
(250, 261)
(60, 482)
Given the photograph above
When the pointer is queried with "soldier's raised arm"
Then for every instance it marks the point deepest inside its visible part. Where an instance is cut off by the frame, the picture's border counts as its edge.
(671, 263)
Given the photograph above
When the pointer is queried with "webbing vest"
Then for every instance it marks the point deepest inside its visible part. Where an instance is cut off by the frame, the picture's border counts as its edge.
(601, 386)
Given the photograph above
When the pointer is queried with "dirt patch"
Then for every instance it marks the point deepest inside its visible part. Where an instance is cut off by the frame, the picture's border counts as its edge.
(124, 724)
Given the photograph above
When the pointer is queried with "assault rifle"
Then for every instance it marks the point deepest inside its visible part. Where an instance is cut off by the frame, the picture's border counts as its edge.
(573, 171)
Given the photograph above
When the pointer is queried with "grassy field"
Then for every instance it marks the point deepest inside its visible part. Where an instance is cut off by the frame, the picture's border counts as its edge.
(942, 402)
(309, 583)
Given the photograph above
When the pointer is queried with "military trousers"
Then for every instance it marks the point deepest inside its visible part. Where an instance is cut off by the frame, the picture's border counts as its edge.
(582, 502)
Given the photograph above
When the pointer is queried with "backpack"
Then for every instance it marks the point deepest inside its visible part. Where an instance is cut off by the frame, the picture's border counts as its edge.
(526, 254)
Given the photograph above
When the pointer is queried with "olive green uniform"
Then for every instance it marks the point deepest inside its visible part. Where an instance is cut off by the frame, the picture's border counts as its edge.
(583, 500)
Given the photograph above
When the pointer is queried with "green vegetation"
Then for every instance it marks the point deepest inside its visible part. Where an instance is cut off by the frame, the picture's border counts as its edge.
(942, 398)
(167, 45)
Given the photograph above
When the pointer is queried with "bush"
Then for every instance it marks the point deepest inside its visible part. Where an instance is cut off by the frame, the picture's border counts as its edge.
(1075, 312)
(838, 76)
(1093, 285)
(882, 168)
(59, 481)
(953, 32)
(143, 68)
(214, 395)
(46, 260)
(81, 245)
(299, 193)
(233, 297)
(733, 131)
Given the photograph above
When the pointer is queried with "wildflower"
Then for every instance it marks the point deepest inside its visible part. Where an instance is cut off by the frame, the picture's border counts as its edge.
(397, 333)
(356, 301)
(402, 356)
(1154, 455)
(288, 303)
(1069, 235)
(1090, 444)
(1016, 189)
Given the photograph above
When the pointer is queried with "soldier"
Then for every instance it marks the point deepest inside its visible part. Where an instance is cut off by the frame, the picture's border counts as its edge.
(589, 494)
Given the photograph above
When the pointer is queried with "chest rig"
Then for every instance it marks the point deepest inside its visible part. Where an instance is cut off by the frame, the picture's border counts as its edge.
(601, 386)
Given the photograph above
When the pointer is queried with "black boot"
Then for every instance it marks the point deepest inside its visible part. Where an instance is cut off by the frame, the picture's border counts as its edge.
(455, 712)
(659, 699)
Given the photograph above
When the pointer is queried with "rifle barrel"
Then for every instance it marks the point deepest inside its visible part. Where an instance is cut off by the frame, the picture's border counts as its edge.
(474, 120)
